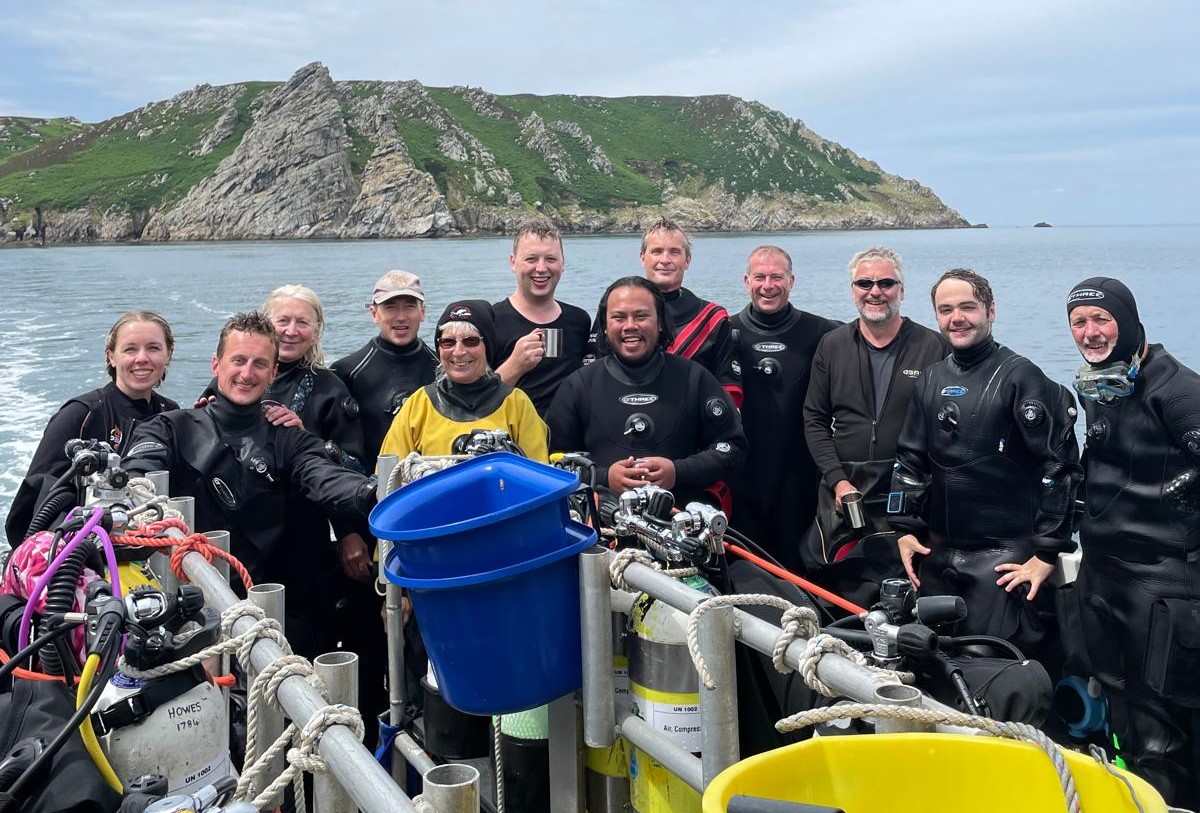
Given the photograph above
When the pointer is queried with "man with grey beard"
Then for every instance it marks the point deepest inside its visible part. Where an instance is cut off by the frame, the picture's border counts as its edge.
(863, 375)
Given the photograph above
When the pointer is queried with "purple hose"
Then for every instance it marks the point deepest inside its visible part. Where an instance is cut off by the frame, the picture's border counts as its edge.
(110, 558)
(39, 588)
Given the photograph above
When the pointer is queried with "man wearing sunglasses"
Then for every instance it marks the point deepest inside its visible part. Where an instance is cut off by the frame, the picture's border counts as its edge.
(986, 470)
(863, 374)
(1136, 596)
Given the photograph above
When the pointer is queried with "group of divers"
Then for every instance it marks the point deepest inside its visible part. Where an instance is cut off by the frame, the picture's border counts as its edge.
(961, 453)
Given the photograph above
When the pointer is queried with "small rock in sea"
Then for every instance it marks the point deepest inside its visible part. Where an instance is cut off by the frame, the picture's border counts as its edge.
(1041, 224)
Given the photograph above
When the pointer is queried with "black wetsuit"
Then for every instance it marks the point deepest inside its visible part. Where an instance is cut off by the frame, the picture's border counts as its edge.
(381, 375)
(329, 411)
(245, 474)
(542, 381)
(666, 407)
(987, 465)
(851, 429)
(1141, 544)
(703, 333)
(775, 493)
(104, 414)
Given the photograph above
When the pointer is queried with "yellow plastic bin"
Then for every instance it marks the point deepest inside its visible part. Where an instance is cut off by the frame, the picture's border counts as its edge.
(925, 773)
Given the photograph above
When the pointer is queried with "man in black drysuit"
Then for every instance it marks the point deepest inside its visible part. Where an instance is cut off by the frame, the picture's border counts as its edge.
(775, 493)
(242, 471)
(1135, 602)
(986, 470)
(646, 417)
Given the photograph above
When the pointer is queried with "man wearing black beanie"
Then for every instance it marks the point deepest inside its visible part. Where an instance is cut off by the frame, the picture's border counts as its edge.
(1137, 598)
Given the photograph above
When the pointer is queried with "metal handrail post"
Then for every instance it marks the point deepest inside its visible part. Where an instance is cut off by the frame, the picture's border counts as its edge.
(339, 672)
(599, 714)
(718, 706)
(393, 613)
(270, 598)
(355, 767)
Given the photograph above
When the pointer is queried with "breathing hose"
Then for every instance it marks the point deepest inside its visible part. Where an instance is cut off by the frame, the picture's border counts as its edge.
(58, 500)
(62, 626)
(60, 598)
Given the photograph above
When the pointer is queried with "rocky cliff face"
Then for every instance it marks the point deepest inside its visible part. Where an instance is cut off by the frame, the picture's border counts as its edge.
(324, 159)
(289, 177)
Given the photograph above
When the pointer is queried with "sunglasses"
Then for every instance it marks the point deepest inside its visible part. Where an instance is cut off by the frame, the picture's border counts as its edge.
(885, 284)
(448, 342)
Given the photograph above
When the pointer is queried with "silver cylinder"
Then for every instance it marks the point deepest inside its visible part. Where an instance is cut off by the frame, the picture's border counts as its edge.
(552, 340)
(856, 515)
(718, 706)
(269, 598)
(393, 615)
(160, 563)
(896, 694)
(219, 539)
(339, 672)
(161, 480)
(599, 715)
(452, 788)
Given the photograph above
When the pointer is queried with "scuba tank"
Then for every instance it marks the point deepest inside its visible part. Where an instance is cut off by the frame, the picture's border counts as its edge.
(176, 725)
(664, 689)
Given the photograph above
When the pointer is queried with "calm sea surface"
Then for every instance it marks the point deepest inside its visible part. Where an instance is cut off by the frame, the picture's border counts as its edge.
(57, 303)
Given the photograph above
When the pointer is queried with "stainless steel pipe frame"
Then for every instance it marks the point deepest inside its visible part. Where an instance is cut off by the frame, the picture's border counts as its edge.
(718, 706)
(270, 598)
(368, 784)
(339, 672)
(452, 788)
(718, 630)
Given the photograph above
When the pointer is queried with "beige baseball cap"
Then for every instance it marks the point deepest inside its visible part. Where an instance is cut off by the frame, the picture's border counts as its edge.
(397, 283)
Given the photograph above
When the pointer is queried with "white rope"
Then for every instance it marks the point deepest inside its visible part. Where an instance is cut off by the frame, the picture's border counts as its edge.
(305, 757)
(263, 627)
(624, 558)
(821, 645)
(415, 466)
(146, 498)
(1007, 730)
(797, 622)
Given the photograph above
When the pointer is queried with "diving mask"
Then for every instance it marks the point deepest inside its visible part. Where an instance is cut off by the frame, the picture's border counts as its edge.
(1107, 383)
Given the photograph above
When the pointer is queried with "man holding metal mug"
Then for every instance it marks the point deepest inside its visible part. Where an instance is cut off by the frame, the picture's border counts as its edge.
(541, 340)
(863, 374)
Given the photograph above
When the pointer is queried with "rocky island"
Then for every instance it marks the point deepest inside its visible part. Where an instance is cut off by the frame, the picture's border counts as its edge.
(318, 158)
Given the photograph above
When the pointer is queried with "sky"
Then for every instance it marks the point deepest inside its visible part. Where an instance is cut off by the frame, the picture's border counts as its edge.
(1074, 112)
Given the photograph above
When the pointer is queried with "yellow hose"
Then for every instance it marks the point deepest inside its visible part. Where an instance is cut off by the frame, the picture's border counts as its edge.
(86, 731)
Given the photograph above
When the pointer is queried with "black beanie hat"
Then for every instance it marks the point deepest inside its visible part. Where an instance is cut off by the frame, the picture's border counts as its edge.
(1112, 295)
(478, 313)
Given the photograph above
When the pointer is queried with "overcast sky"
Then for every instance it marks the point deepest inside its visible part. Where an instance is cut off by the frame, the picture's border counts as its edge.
(1071, 111)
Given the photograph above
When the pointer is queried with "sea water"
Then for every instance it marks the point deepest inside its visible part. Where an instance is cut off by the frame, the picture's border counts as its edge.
(59, 302)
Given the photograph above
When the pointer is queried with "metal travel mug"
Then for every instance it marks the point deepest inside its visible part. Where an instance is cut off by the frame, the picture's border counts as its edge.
(552, 338)
(856, 515)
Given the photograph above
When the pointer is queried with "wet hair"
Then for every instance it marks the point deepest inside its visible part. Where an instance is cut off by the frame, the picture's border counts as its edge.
(877, 253)
(666, 330)
(541, 229)
(770, 251)
(664, 224)
(249, 322)
(980, 288)
(129, 317)
(315, 356)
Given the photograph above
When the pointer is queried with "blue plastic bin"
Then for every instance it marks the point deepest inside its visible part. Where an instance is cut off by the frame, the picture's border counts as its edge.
(506, 639)
(480, 515)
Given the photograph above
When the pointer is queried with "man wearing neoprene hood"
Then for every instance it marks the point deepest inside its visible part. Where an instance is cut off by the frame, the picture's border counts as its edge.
(1136, 603)
(986, 470)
